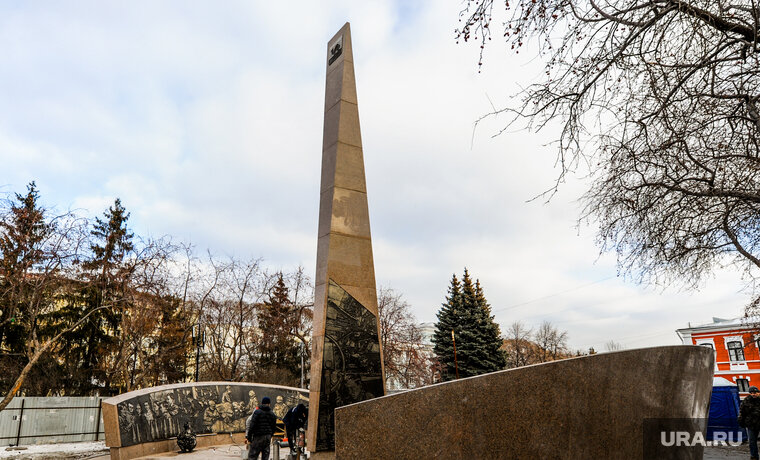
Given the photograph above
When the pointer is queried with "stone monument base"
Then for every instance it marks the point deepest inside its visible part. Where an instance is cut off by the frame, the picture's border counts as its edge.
(593, 407)
(170, 445)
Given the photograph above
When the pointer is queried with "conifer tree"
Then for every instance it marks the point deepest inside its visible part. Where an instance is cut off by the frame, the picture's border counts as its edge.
(448, 320)
(467, 313)
(279, 358)
(106, 285)
(167, 364)
(492, 340)
(37, 251)
(22, 235)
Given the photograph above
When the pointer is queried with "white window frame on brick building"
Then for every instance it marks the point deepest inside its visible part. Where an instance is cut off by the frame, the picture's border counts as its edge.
(736, 364)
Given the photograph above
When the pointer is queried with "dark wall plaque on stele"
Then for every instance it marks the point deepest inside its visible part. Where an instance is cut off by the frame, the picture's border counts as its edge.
(351, 363)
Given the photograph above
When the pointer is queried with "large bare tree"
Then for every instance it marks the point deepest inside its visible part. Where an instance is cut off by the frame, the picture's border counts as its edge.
(226, 303)
(408, 363)
(660, 100)
(551, 343)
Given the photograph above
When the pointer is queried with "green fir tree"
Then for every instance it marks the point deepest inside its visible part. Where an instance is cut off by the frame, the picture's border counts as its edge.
(467, 313)
(448, 320)
(106, 285)
(496, 358)
(22, 236)
(30, 284)
(279, 359)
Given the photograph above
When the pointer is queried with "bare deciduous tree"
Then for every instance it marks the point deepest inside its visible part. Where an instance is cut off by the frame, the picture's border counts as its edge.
(408, 363)
(228, 297)
(226, 305)
(301, 292)
(154, 310)
(611, 345)
(551, 343)
(524, 346)
(659, 100)
(518, 345)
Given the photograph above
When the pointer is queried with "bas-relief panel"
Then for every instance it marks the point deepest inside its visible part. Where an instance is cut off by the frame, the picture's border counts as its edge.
(351, 367)
(208, 409)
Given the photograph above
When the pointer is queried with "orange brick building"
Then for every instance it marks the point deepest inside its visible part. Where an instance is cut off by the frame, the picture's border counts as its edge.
(735, 342)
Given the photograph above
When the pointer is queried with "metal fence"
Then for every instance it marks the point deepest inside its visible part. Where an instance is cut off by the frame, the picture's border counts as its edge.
(43, 420)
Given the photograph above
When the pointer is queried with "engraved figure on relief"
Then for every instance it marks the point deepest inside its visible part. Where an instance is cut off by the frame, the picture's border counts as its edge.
(127, 424)
(253, 401)
(210, 417)
(161, 415)
(225, 408)
(173, 411)
(150, 423)
(280, 409)
(227, 395)
(140, 428)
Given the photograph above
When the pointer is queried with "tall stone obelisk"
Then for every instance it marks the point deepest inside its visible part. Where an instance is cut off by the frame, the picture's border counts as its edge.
(346, 362)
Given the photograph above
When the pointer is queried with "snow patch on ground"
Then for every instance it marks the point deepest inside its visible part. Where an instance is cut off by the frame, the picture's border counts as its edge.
(73, 450)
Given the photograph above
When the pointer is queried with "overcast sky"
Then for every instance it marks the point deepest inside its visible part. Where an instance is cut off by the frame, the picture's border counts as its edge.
(205, 118)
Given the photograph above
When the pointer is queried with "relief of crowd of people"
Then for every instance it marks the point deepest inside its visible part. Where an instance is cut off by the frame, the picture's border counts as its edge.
(207, 409)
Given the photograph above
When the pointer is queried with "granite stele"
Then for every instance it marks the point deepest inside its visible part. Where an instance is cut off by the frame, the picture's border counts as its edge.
(346, 365)
(624, 405)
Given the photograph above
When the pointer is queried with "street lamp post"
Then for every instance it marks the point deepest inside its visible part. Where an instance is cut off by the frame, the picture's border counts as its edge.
(199, 340)
(456, 365)
(303, 348)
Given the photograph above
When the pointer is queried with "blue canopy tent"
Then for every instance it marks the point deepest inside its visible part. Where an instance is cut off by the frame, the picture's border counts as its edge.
(724, 410)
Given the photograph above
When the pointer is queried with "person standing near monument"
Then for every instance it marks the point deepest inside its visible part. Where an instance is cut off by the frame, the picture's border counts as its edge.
(259, 434)
(294, 420)
(749, 418)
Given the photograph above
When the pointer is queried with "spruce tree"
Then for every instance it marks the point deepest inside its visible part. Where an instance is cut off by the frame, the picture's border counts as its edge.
(22, 236)
(467, 313)
(106, 284)
(448, 320)
(167, 365)
(279, 357)
(492, 340)
(29, 283)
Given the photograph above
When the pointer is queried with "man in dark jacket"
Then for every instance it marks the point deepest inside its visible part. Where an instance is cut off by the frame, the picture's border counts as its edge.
(259, 433)
(294, 420)
(749, 418)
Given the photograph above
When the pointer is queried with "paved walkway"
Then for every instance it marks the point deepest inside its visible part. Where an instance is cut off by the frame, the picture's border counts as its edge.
(230, 451)
(727, 453)
(234, 452)
(98, 451)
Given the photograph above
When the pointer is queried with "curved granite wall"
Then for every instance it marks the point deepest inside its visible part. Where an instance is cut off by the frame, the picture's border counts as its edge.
(582, 408)
(154, 416)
